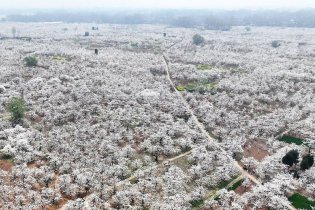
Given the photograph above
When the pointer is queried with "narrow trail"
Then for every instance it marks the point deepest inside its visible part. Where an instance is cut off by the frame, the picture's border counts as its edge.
(215, 193)
(154, 167)
(201, 127)
(131, 178)
(214, 141)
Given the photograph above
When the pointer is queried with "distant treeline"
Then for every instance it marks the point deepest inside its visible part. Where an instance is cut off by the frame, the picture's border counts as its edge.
(222, 20)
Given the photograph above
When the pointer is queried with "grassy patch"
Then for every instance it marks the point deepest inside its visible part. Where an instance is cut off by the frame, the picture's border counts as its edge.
(290, 140)
(224, 184)
(197, 203)
(203, 67)
(134, 44)
(180, 88)
(200, 86)
(236, 185)
(58, 58)
(301, 202)
(191, 87)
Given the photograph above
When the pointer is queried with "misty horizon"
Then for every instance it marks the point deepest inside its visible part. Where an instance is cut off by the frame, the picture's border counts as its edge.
(162, 4)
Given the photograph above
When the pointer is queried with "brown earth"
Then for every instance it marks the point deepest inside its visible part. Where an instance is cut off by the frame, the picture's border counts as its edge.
(57, 206)
(256, 148)
(6, 165)
(241, 190)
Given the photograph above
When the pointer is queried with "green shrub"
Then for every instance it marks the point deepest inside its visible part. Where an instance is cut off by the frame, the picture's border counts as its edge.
(275, 44)
(291, 158)
(134, 44)
(247, 28)
(198, 39)
(31, 61)
(307, 162)
(196, 203)
(17, 108)
(238, 156)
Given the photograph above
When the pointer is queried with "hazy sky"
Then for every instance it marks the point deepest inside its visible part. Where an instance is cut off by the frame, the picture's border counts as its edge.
(157, 4)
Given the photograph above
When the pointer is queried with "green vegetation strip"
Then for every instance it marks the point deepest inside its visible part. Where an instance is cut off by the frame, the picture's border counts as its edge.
(58, 58)
(236, 185)
(224, 184)
(291, 139)
(301, 202)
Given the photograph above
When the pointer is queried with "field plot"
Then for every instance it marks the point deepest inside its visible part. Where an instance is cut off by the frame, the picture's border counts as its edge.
(105, 128)
(301, 202)
(290, 140)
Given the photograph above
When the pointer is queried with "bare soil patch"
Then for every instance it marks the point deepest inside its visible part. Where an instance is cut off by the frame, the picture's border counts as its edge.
(6, 165)
(256, 148)
(57, 206)
(241, 190)
(250, 208)
(306, 193)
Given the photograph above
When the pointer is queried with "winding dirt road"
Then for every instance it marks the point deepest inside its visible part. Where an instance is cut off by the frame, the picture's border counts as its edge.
(203, 130)
(214, 141)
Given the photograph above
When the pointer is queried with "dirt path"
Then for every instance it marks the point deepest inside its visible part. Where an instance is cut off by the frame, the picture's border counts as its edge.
(215, 193)
(201, 126)
(212, 194)
(214, 141)
(131, 178)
